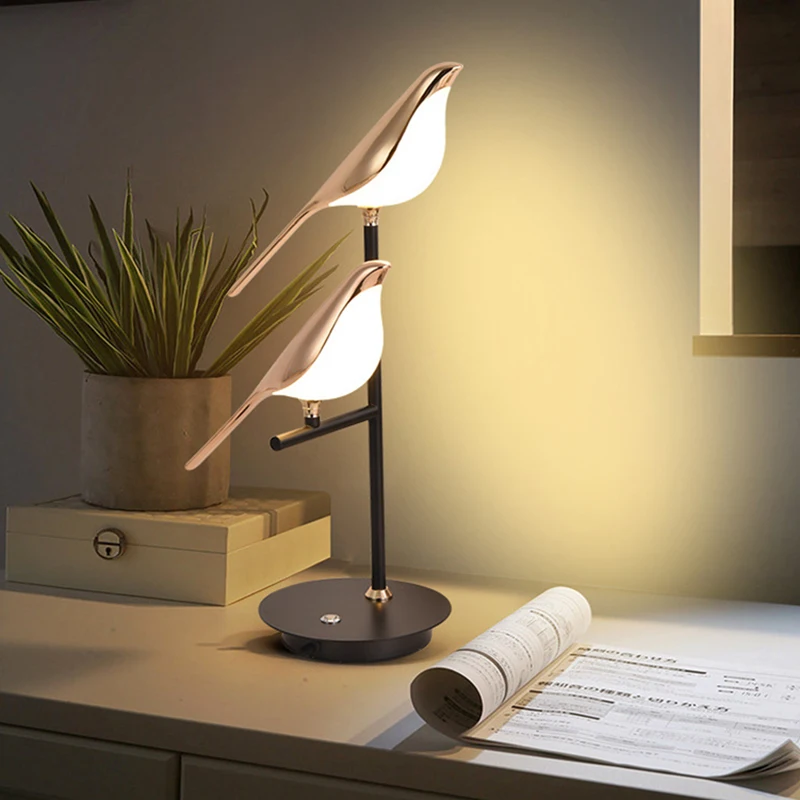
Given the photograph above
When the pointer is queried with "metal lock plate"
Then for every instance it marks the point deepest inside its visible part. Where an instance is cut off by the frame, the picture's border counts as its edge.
(109, 544)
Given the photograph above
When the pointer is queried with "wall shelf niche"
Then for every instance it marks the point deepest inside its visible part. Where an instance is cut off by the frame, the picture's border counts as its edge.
(747, 344)
(750, 179)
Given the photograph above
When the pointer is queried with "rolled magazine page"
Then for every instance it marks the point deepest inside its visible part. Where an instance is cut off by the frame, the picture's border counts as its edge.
(464, 688)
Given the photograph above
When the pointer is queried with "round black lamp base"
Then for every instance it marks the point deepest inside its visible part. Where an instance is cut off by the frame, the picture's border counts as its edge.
(332, 620)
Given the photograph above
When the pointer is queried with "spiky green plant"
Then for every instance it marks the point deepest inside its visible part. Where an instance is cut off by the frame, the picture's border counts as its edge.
(145, 311)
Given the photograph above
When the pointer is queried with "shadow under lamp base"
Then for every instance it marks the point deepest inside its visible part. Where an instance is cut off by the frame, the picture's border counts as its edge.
(332, 620)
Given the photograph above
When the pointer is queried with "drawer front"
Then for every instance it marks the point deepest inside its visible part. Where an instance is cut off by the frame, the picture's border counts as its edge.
(72, 768)
(207, 779)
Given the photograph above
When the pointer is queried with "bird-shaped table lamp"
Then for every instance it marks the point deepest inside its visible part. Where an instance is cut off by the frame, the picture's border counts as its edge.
(335, 352)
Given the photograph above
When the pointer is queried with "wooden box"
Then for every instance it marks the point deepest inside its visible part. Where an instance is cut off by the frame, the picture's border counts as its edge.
(215, 555)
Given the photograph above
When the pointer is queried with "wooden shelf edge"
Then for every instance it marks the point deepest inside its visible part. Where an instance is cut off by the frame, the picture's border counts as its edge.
(767, 345)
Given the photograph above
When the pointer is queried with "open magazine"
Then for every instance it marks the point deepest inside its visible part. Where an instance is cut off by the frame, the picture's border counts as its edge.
(525, 684)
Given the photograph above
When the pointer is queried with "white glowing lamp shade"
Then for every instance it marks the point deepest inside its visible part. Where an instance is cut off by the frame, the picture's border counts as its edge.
(414, 163)
(350, 355)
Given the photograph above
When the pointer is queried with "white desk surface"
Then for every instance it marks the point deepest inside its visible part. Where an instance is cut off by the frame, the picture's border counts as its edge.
(215, 682)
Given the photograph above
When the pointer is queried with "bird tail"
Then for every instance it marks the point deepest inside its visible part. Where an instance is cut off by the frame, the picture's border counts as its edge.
(227, 429)
(311, 207)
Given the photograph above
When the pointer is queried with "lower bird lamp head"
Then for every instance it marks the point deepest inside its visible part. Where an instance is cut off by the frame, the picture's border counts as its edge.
(335, 352)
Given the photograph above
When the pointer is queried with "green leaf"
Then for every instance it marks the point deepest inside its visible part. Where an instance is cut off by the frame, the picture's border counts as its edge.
(11, 255)
(52, 272)
(88, 360)
(198, 256)
(93, 284)
(52, 275)
(222, 279)
(99, 269)
(127, 222)
(172, 301)
(143, 306)
(110, 265)
(80, 330)
(182, 242)
(58, 231)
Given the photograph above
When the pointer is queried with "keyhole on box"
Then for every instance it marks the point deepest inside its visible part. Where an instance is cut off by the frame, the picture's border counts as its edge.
(109, 544)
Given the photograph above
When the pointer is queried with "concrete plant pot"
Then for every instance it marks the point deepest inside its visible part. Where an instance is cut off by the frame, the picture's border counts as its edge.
(137, 433)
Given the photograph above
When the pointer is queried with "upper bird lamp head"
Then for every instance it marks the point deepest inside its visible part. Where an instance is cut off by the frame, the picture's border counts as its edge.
(334, 353)
(397, 160)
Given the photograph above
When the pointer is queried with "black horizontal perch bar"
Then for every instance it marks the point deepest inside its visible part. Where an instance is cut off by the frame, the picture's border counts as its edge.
(307, 432)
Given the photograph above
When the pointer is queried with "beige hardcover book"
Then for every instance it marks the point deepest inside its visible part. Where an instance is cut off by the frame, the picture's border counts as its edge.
(214, 555)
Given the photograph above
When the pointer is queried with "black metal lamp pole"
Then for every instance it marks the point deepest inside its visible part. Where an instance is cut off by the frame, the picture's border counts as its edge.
(375, 399)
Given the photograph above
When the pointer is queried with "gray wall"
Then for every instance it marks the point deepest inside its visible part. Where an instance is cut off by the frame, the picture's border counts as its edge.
(545, 417)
